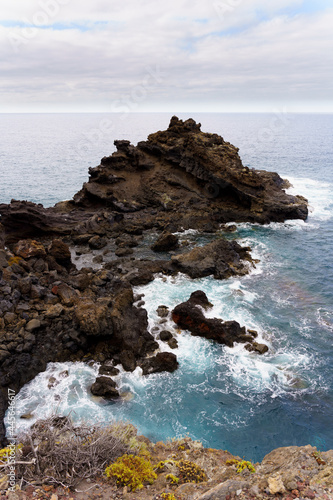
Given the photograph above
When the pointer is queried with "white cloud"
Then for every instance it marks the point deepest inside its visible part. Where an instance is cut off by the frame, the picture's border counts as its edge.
(252, 53)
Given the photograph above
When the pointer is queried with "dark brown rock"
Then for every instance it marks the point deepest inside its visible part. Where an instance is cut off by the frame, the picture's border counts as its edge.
(123, 252)
(94, 318)
(162, 311)
(172, 343)
(67, 294)
(61, 252)
(24, 219)
(162, 362)
(183, 169)
(165, 243)
(105, 387)
(255, 347)
(96, 242)
(165, 335)
(29, 248)
(222, 258)
(189, 316)
(127, 359)
(130, 326)
(108, 369)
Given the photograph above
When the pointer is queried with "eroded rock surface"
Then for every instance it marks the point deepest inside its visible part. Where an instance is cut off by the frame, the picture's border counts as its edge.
(185, 171)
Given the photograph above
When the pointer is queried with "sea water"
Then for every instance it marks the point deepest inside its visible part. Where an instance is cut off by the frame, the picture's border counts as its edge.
(226, 397)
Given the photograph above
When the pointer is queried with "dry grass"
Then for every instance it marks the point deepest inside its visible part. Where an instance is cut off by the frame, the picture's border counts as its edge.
(55, 451)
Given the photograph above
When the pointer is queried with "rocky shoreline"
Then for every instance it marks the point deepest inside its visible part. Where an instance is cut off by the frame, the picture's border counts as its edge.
(67, 272)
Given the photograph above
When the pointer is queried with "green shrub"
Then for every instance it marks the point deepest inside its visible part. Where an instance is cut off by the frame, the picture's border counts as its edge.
(173, 479)
(189, 472)
(132, 471)
(241, 465)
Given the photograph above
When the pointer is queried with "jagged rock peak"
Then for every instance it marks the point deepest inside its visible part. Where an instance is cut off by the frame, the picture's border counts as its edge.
(177, 125)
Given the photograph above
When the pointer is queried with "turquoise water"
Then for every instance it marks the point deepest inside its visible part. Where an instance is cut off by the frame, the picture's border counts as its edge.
(228, 398)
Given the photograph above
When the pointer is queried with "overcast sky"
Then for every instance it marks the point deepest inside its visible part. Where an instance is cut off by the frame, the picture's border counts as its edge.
(158, 55)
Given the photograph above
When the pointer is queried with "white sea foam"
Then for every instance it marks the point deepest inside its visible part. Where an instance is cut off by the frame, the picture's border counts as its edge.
(60, 389)
(318, 193)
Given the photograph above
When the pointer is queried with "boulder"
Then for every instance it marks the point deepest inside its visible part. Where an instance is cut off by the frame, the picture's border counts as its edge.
(127, 359)
(107, 368)
(94, 318)
(81, 239)
(126, 241)
(162, 362)
(29, 248)
(221, 258)
(54, 311)
(123, 252)
(130, 326)
(275, 485)
(189, 316)
(165, 243)
(104, 386)
(162, 311)
(165, 335)
(96, 242)
(67, 294)
(24, 285)
(61, 252)
(172, 343)
(256, 347)
(32, 325)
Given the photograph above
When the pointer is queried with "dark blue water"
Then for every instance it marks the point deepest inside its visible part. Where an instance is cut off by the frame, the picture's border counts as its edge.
(228, 398)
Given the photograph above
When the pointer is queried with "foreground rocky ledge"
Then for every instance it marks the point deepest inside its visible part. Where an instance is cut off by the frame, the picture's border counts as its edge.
(205, 474)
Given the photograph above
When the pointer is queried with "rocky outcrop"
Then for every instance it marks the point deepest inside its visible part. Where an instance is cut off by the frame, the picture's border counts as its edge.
(24, 219)
(189, 316)
(181, 176)
(52, 312)
(188, 172)
(221, 258)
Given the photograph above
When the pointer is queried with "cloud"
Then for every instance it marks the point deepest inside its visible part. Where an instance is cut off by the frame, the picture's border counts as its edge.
(93, 56)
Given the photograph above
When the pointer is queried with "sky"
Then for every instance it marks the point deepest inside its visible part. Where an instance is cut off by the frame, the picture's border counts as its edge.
(153, 55)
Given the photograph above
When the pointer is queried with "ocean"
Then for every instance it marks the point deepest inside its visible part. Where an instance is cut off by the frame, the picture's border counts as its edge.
(225, 397)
